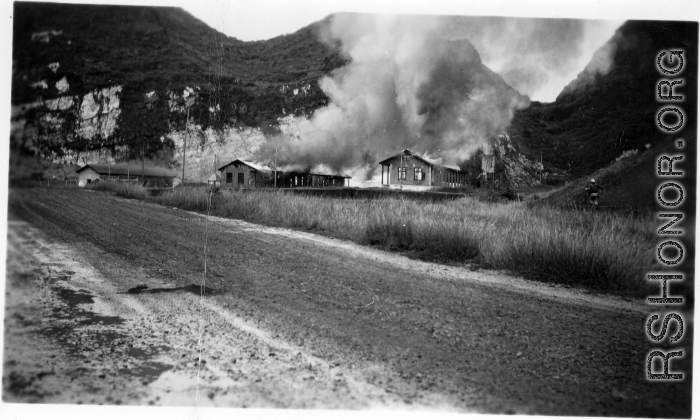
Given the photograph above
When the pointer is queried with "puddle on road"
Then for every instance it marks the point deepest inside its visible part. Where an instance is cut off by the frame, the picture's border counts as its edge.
(192, 288)
(93, 343)
(147, 372)
(73, 298)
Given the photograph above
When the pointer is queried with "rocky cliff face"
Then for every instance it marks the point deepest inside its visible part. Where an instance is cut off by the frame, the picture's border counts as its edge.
(95, 117)
(518, 169)
(54, 128)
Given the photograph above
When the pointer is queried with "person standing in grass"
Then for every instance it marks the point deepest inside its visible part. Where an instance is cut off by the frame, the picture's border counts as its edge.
(593, 190)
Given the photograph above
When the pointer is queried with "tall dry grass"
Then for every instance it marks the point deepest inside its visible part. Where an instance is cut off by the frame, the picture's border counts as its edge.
(122, 189)
(604, 251)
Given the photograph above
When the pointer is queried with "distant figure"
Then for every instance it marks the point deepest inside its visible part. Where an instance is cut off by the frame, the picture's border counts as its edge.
(593, 190)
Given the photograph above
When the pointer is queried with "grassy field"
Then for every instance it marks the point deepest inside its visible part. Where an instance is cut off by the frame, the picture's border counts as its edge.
(604, 251)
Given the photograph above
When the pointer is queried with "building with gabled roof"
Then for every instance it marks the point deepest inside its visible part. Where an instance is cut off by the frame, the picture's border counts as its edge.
(409, 169)
(318, 177)
(148, 177)
(241, 174)
(244, 174)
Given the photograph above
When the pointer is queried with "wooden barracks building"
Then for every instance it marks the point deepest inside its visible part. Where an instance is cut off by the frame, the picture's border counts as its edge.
(150, 177)
(243, 174)
(407, 168)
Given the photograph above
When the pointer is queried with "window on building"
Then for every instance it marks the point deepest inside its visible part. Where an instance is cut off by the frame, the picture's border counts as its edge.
(241, 178)
(418, 174)
(402, 173)
(229, 178)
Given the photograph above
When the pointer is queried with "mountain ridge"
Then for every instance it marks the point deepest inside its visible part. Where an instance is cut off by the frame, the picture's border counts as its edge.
(597, 117)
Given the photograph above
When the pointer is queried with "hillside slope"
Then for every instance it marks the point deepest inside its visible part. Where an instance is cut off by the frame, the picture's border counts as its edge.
(598, 115)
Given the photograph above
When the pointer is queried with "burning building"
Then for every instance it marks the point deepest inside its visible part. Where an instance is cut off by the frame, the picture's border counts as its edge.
(313, 178)
(243, 174)
(148, 176)
(407, 168)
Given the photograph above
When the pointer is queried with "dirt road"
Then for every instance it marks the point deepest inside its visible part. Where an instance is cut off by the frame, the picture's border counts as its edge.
(104, 306)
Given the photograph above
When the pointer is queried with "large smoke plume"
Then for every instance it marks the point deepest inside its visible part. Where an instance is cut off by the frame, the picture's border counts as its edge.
(411, 82)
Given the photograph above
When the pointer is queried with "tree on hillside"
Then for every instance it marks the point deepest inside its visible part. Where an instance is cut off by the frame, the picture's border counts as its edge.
(147, 128)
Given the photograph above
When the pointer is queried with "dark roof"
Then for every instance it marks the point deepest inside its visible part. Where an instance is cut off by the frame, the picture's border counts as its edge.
(406, 152)
(121, 169)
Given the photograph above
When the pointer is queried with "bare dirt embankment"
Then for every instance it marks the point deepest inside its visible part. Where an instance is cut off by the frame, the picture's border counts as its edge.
(103, 306)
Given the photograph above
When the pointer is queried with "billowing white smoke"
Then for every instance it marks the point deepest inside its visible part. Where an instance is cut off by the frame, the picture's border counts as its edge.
(413, 82)
(408, 85)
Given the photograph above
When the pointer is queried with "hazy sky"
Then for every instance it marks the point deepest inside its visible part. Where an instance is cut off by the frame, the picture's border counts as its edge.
(263, 19)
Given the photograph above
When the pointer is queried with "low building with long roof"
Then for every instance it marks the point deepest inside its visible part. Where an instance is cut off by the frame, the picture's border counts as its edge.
(244, 174)
(149, 176)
